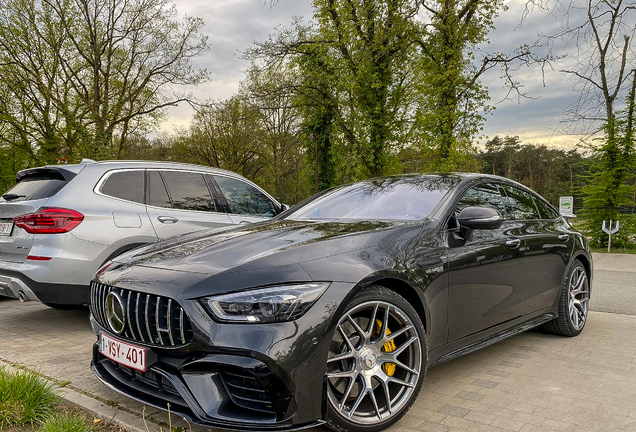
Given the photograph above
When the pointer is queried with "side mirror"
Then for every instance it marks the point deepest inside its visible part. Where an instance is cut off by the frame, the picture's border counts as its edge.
(284, 208)
(480, 218)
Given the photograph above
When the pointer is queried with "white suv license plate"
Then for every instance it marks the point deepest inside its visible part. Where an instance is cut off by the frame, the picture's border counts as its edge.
(123, 353)
(6, 228)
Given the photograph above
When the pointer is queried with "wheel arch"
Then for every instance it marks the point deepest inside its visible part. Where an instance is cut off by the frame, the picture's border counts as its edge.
(406, 290)
(587, 265)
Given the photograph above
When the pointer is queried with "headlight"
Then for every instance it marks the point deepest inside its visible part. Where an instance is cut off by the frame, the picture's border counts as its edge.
(266, 305)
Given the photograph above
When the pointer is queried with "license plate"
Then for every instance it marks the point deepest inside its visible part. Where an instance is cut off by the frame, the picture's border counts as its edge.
(6, 228)
(123, 353)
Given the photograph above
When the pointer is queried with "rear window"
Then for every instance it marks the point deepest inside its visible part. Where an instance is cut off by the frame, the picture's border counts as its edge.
(545, 211)
(126, 185)
(36, 186)
(520, 204)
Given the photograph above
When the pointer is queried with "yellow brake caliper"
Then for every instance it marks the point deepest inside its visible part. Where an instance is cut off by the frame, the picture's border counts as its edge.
(388, 368)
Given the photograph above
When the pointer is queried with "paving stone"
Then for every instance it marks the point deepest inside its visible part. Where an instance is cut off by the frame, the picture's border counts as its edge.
(454, 410)
(587, 383)
(485, 383)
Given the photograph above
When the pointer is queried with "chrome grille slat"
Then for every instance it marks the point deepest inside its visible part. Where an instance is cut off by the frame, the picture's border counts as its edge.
(181, 325)
(169, 317)
(150, 338)
(130, 327)
(176, 325)
(100, 299)
(137, 318)
(158, 326)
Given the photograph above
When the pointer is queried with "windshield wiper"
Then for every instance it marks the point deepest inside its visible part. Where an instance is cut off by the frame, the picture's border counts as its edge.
(11, 197)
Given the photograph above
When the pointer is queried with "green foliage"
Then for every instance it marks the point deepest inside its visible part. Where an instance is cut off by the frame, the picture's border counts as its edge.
(25, 399)
(610, 188)
(452, 113)
(65, 423)
(552, 172)
(78, 77)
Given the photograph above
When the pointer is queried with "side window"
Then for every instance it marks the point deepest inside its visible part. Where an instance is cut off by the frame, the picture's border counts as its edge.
(188, 191)
(520, 204)
(484, 195)
(545, 211)
(157, 194)
(244, 198)
(126, 185)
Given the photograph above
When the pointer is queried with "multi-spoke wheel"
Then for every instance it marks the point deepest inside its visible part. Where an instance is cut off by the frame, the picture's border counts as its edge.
(574, 302)
(376, 361)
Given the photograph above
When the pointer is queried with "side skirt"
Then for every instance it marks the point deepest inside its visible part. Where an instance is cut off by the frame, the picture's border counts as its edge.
(497, 337)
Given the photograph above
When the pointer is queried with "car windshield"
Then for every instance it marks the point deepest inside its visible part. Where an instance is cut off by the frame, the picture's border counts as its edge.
(403, 198)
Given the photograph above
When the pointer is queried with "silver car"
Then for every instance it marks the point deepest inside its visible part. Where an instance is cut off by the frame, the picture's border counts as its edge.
(59, 224)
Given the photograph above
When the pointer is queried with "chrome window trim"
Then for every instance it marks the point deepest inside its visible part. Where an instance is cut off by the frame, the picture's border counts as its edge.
(107, 174)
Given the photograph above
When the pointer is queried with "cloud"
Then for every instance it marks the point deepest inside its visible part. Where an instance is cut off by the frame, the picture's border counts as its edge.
(233, 25)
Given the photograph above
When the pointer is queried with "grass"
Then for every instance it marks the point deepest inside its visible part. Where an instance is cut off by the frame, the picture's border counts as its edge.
(65, 423)
(615, 250)
(28, 403)
(25, 399)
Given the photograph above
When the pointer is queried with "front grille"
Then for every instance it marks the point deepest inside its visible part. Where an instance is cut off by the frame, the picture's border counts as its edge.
(149, 318)
(245, 390)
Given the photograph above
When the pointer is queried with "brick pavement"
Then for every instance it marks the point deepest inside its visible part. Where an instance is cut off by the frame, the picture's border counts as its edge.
(531, 382)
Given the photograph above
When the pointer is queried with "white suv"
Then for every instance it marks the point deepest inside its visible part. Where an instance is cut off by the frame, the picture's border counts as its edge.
(59, 224)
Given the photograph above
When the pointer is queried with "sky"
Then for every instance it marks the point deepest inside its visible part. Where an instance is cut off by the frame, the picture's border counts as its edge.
(233, 25)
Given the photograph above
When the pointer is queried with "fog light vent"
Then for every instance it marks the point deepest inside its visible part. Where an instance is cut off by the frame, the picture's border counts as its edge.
(245, 390)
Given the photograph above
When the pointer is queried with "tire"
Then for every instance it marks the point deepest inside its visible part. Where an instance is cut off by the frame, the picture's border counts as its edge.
(571, 322)
(363, 352)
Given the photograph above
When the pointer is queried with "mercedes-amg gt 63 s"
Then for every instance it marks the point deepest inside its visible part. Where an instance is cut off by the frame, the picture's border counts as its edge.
(332, 311)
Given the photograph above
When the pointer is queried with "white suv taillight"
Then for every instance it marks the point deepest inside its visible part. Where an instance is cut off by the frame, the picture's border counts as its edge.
(49, 221)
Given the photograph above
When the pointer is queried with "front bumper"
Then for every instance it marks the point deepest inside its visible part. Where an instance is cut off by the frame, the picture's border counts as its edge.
(236, 376)
(199, 394)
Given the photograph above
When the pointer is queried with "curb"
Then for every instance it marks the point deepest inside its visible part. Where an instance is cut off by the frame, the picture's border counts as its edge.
(96, 408)
(128, 421)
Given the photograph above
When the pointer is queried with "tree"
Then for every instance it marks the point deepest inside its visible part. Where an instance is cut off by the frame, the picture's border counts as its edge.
(130, 52)
(280, 129)
(394, 77)
(362, 49)
(36, 103)
(454, 99)
(552, 172)
(603, 73)
(84, 75)
(224, 135)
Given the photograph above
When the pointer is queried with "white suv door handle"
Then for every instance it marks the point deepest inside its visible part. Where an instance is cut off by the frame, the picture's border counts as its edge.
(167, 219)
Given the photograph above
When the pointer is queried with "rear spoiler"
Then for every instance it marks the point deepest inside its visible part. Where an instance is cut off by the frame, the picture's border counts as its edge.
(65, 172)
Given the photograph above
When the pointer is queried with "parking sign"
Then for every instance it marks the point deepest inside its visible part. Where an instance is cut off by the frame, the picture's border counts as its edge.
(566, 206)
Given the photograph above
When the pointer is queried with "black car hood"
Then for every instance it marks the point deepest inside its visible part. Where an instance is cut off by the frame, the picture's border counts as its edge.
(269, 244)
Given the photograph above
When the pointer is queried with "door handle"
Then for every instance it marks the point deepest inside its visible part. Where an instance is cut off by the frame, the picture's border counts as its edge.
(244, 222)
(564, 237)
(513, 243)
(167, 219)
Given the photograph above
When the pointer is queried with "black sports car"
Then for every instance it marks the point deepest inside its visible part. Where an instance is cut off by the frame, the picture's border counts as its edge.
(332, 312)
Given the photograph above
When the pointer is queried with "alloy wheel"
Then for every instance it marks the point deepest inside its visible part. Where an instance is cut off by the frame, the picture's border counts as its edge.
(374, 362)
(579, 297)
